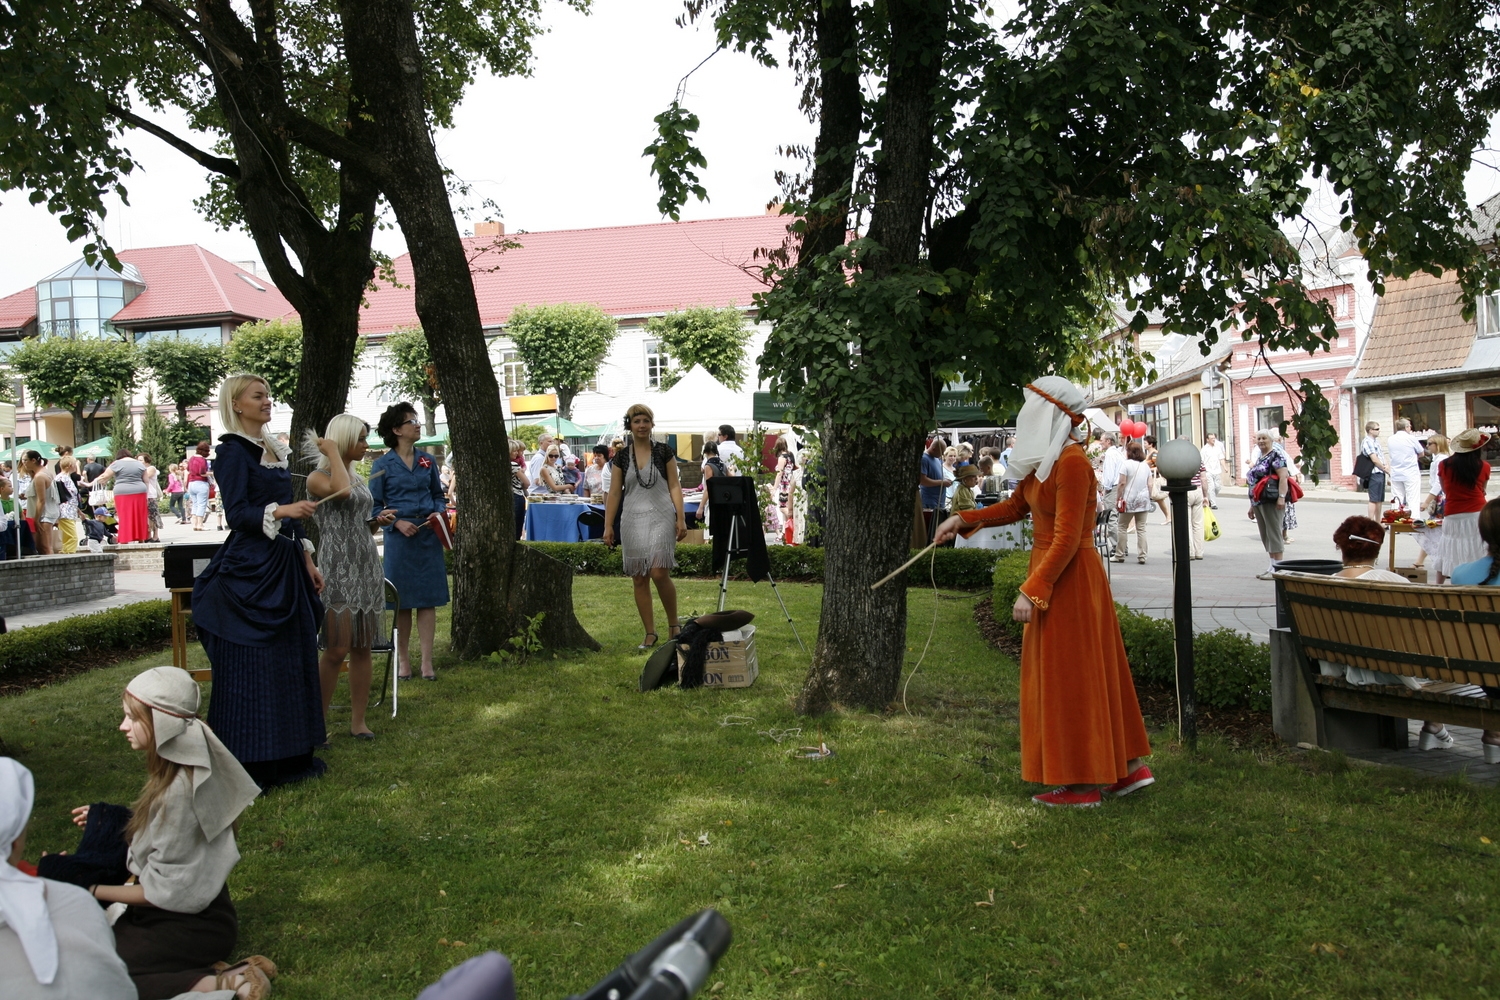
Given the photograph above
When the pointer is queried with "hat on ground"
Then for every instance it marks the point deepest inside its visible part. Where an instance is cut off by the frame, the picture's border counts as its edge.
(1469, 439)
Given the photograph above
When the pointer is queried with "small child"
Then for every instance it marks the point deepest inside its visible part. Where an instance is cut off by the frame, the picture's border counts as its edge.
(967, 476)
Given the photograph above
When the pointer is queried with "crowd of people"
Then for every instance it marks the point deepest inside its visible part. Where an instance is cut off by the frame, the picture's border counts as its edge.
(56, 507)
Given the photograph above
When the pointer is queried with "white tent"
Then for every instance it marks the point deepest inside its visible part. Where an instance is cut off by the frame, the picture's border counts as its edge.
(699, 403)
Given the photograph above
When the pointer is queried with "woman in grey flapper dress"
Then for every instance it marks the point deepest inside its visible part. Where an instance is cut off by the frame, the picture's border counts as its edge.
(646, 496)
(353, 579)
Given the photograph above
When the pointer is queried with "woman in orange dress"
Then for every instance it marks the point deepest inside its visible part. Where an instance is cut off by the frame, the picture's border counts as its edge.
(1081, 726)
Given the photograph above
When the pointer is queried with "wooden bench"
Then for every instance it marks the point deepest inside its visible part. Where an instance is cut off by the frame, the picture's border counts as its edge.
(1444, 634)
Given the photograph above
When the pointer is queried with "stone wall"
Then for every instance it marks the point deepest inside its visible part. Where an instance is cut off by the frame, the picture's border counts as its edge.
(47, 581)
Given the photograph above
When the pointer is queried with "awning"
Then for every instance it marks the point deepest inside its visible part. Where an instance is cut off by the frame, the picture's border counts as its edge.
(98, 448)
(954, 409)
(46, 450)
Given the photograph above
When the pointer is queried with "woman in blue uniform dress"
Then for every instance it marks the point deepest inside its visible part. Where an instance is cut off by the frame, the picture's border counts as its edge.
(406, 480)
(256, 606)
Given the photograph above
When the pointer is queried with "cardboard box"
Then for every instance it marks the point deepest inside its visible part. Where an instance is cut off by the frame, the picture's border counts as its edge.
(732, 663)
(694, 537)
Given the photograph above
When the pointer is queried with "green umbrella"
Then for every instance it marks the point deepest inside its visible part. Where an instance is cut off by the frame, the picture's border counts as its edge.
(46, 450)
(100, 448)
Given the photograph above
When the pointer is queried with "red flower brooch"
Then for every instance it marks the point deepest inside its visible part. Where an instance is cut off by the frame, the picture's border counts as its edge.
(425, 462)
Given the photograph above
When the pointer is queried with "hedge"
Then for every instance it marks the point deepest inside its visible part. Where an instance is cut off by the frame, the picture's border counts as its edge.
(955, 569)
(74, 640)
(1228, 668)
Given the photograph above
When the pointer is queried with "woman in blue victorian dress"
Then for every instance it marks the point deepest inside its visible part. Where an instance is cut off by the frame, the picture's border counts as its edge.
(407, 481)
(256, 606)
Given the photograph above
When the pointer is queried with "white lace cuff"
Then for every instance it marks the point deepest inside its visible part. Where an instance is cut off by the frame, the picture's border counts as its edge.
(268, 522)
(308, 547)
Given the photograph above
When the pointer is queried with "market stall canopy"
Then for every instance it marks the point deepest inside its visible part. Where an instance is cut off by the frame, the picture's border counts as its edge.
(1101, 420)
(99, 448)
(697, 403)
(954, 410)
(43, 448)
(564, 428)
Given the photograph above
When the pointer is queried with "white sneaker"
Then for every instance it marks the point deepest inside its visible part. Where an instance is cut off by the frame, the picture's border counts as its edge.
(1440, 740)
(1491, 753)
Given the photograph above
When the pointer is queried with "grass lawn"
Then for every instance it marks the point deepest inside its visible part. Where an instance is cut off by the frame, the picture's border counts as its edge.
(550, 811)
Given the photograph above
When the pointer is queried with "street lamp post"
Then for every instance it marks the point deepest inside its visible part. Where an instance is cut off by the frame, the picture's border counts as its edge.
(1179, 461)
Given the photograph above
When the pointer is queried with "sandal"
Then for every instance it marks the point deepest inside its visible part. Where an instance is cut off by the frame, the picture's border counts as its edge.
(647, 645)
(251, 980)
(673, 631)
(260, 962)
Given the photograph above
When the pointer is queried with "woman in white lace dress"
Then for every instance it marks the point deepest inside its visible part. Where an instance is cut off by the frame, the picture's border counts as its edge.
(353, 577)
(644, 491)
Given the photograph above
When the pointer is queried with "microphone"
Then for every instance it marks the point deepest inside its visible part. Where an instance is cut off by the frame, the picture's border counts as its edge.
(673, 967)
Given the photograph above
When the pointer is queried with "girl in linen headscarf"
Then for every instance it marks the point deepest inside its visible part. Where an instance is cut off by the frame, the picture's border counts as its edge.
(1081, 726)
(179, 927)
(54, 940)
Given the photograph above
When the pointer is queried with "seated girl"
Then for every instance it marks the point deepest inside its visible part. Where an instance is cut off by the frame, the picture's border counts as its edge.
(178, 926)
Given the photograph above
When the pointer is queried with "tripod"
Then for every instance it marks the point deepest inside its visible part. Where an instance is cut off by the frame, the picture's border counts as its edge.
(729, 553)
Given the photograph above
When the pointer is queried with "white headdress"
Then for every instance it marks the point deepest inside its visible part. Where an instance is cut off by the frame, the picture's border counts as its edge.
(1051, 417)
(23, 901)
(221, 787)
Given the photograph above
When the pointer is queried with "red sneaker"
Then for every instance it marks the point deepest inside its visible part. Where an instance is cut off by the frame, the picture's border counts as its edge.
(1134, 781)
(1065, 797)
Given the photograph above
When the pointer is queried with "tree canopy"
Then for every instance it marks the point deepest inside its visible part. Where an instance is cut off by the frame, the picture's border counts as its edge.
(713, 338)
(272, 349)
(562, 346)
(186, 372)
(998, 178)
(79, 376)
(410, 373)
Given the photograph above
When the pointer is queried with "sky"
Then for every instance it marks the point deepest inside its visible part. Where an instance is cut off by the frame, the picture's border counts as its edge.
(560, 149)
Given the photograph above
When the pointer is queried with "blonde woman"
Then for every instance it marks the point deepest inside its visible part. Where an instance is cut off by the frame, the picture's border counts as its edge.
(353, 579)
(646, 495)
(256, 606)
(179, 927)
(67, 506)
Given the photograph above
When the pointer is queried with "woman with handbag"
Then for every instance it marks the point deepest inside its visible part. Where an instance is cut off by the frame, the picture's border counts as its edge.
(1134, 503)
(1268, 481)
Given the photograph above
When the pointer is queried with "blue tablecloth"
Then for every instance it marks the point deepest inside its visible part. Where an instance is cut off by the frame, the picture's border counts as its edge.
(558, 522)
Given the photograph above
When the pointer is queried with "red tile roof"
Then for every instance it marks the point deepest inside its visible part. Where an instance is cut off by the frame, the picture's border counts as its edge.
(186, 282)
(1418, 327)
(625, 270)
(17, 310)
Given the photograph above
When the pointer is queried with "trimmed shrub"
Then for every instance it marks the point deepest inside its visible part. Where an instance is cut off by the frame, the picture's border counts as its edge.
(1228, 668)
(1009, 573)
(41, 647)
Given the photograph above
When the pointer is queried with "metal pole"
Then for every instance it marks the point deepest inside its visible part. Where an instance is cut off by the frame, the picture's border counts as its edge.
(1182, 612)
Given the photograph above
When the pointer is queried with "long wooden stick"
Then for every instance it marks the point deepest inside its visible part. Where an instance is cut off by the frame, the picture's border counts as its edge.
(902, 568)
(335, 494)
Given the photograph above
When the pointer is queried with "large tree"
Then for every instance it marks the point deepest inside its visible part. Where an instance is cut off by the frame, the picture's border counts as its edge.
(302, 163)
(562, 346)
(80, 376)
(996, 179)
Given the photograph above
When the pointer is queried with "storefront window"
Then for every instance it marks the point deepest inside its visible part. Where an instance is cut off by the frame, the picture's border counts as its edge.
(1182, 417)
(1484, 411)
(1213, 423)
(1425, 414)
(1268, 418)
(1156, 418)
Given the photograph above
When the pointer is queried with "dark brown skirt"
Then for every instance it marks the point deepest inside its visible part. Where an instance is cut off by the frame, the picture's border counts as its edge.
(167, 953)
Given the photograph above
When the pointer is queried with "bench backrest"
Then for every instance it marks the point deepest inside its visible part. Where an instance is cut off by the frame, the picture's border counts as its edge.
(1441, 633)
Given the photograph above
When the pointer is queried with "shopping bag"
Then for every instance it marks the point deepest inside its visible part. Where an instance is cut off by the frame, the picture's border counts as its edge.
(1210, 525)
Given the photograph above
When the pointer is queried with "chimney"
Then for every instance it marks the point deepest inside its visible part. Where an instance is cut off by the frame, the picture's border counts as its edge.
(489, 228)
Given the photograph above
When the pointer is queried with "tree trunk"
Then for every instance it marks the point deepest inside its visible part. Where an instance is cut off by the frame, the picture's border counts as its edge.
(497, 585)
(80, 428)
(862, 632)
(429, 415)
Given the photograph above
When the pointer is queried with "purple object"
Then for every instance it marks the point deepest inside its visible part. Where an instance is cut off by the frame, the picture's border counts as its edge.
(484, 977)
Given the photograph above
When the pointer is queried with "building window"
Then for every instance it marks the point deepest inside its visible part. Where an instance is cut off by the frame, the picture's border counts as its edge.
(1268, 418)
(1156, 420)
(512, 373)
(1425, 414)
(1484, 411)
(1487, 314)
(1213, 422)
(656, 364)
(79, 300)
(1182, 417)
(193, 334)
